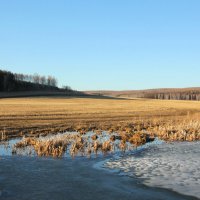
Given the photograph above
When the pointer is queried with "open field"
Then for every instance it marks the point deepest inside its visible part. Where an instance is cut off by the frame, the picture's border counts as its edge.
(41, 116)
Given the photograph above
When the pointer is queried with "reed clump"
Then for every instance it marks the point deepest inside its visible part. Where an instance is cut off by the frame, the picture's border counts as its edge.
(50, 148)
(138, 139)
(54, 147)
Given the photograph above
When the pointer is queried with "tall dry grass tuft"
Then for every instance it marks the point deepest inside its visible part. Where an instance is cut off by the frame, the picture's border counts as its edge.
(4, 135)
(54, 147)
(138, 139)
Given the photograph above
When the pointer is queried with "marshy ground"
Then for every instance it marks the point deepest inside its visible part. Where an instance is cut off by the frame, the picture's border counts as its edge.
(171, 120)
(99, 129)
(92, 125)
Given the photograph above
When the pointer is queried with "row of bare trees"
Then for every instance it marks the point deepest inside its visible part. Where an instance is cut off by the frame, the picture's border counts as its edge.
(167, 95)
(179, 96)
(38, 79)
(22, 82)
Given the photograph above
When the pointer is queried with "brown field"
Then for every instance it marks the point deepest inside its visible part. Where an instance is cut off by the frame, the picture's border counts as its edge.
(171, 120)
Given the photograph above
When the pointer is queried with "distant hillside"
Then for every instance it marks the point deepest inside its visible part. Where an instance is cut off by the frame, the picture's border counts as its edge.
(164, 93)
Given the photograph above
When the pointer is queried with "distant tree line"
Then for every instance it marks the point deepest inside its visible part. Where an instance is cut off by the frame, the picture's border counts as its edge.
(21, 82)
(170, 94)
(36, 78)
(179, 96)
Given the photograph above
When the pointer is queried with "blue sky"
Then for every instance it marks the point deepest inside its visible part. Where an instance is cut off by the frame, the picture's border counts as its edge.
(103, 44)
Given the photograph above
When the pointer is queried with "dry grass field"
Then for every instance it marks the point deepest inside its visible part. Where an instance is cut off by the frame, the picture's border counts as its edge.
(171, 120)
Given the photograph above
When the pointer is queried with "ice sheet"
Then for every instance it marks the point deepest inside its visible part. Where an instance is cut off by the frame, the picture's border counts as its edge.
(174, 166)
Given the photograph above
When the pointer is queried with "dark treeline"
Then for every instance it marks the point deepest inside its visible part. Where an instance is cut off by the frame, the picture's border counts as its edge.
(176, 95)
(171, 94)
(22, 82)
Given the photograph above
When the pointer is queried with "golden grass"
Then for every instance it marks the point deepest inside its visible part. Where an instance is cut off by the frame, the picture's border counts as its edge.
(170, 120)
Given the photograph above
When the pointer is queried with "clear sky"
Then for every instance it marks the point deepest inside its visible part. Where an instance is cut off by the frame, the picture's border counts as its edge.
(103, 44)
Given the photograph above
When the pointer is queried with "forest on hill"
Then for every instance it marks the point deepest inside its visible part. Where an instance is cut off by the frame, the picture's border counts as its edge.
(13, 82)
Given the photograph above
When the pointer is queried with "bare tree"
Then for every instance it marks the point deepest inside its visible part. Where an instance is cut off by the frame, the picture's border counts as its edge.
(36, 78)
(54, 82)
(67, 88)
(49, 78)
(51, 81)
(43, 80)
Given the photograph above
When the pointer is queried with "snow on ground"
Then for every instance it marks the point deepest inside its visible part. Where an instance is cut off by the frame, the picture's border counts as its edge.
(173, 166)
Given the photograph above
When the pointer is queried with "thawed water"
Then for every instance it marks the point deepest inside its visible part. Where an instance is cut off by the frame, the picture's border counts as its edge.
(173, 166)
(6, 147)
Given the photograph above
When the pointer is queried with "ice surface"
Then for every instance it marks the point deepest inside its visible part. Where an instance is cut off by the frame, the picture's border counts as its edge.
(173, 166)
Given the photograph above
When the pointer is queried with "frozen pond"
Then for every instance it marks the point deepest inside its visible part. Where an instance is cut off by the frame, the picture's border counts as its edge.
(157, 165)
(33, 178)
(174, 166)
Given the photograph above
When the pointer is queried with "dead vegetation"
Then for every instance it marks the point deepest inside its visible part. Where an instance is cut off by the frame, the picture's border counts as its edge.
(57, 145)
(106, 142)
(77, 144)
